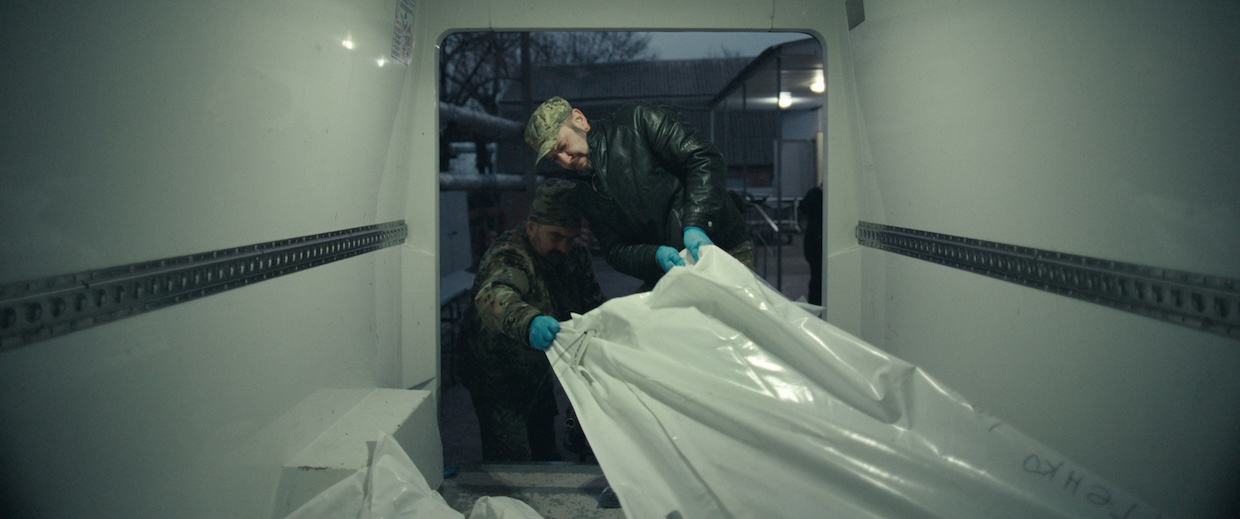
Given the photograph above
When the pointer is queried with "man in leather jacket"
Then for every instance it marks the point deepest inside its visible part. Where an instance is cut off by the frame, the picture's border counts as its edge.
(648, 183)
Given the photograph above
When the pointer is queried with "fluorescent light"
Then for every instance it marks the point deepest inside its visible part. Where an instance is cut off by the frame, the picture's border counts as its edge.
(818, 86)
(785, 99)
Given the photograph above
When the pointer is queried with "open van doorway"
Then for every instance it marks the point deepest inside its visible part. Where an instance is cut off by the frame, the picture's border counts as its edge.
(757, 96)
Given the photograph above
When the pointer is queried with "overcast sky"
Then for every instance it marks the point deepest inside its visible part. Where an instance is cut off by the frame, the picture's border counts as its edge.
(691, 45)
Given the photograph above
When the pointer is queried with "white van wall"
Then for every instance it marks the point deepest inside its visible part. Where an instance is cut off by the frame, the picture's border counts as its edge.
(1104, 129)
(137, 131)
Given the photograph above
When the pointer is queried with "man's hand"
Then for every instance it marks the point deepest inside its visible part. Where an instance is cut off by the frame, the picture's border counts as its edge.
(668, 258)
(542, 331)
(694, 238)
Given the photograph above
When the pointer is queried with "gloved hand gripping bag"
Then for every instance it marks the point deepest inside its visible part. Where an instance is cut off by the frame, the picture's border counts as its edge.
(715, 396)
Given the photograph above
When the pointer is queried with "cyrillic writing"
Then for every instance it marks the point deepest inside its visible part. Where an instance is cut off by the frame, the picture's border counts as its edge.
(1075, 483)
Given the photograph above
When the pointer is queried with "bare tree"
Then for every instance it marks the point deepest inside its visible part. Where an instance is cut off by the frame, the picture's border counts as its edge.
(724, 52)
(476, 67)
(589, 48)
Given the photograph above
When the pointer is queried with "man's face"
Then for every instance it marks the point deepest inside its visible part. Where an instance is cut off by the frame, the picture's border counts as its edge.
(551, 242)
(571, 150)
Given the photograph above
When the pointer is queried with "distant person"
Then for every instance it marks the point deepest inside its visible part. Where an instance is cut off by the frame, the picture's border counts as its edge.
(530, 278)
(650, 184)
(811, 209)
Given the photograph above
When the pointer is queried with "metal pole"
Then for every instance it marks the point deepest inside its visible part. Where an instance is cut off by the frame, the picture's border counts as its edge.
(527, 105)
(779, 175)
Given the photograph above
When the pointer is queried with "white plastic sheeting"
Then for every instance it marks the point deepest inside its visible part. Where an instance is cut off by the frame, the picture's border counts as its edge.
(714, 396)
(392, 487)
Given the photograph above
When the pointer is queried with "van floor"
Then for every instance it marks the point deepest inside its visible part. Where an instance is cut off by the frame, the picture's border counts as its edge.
(554, 489)
(562, 489)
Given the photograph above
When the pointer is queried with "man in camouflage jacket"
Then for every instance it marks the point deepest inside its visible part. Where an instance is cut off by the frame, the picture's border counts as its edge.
(650, 184)
(530, 277)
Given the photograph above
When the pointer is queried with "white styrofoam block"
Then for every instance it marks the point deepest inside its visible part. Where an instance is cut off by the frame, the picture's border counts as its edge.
(345, 446)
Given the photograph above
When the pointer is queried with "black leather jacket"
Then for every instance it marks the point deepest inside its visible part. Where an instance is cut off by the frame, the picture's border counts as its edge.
(653, 175)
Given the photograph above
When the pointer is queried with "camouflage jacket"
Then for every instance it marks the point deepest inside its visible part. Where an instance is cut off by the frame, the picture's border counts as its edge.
(513, 285)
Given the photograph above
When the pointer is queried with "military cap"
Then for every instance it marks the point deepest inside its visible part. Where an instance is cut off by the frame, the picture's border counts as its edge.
(544, 125)
(554, 205)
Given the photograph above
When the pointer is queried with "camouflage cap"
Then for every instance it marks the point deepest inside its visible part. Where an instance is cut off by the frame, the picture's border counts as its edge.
(544, 125)
(554, 205)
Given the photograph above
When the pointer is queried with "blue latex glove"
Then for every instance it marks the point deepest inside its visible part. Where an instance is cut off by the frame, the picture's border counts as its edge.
(542, 331)
(695, 237)
(668, 258)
